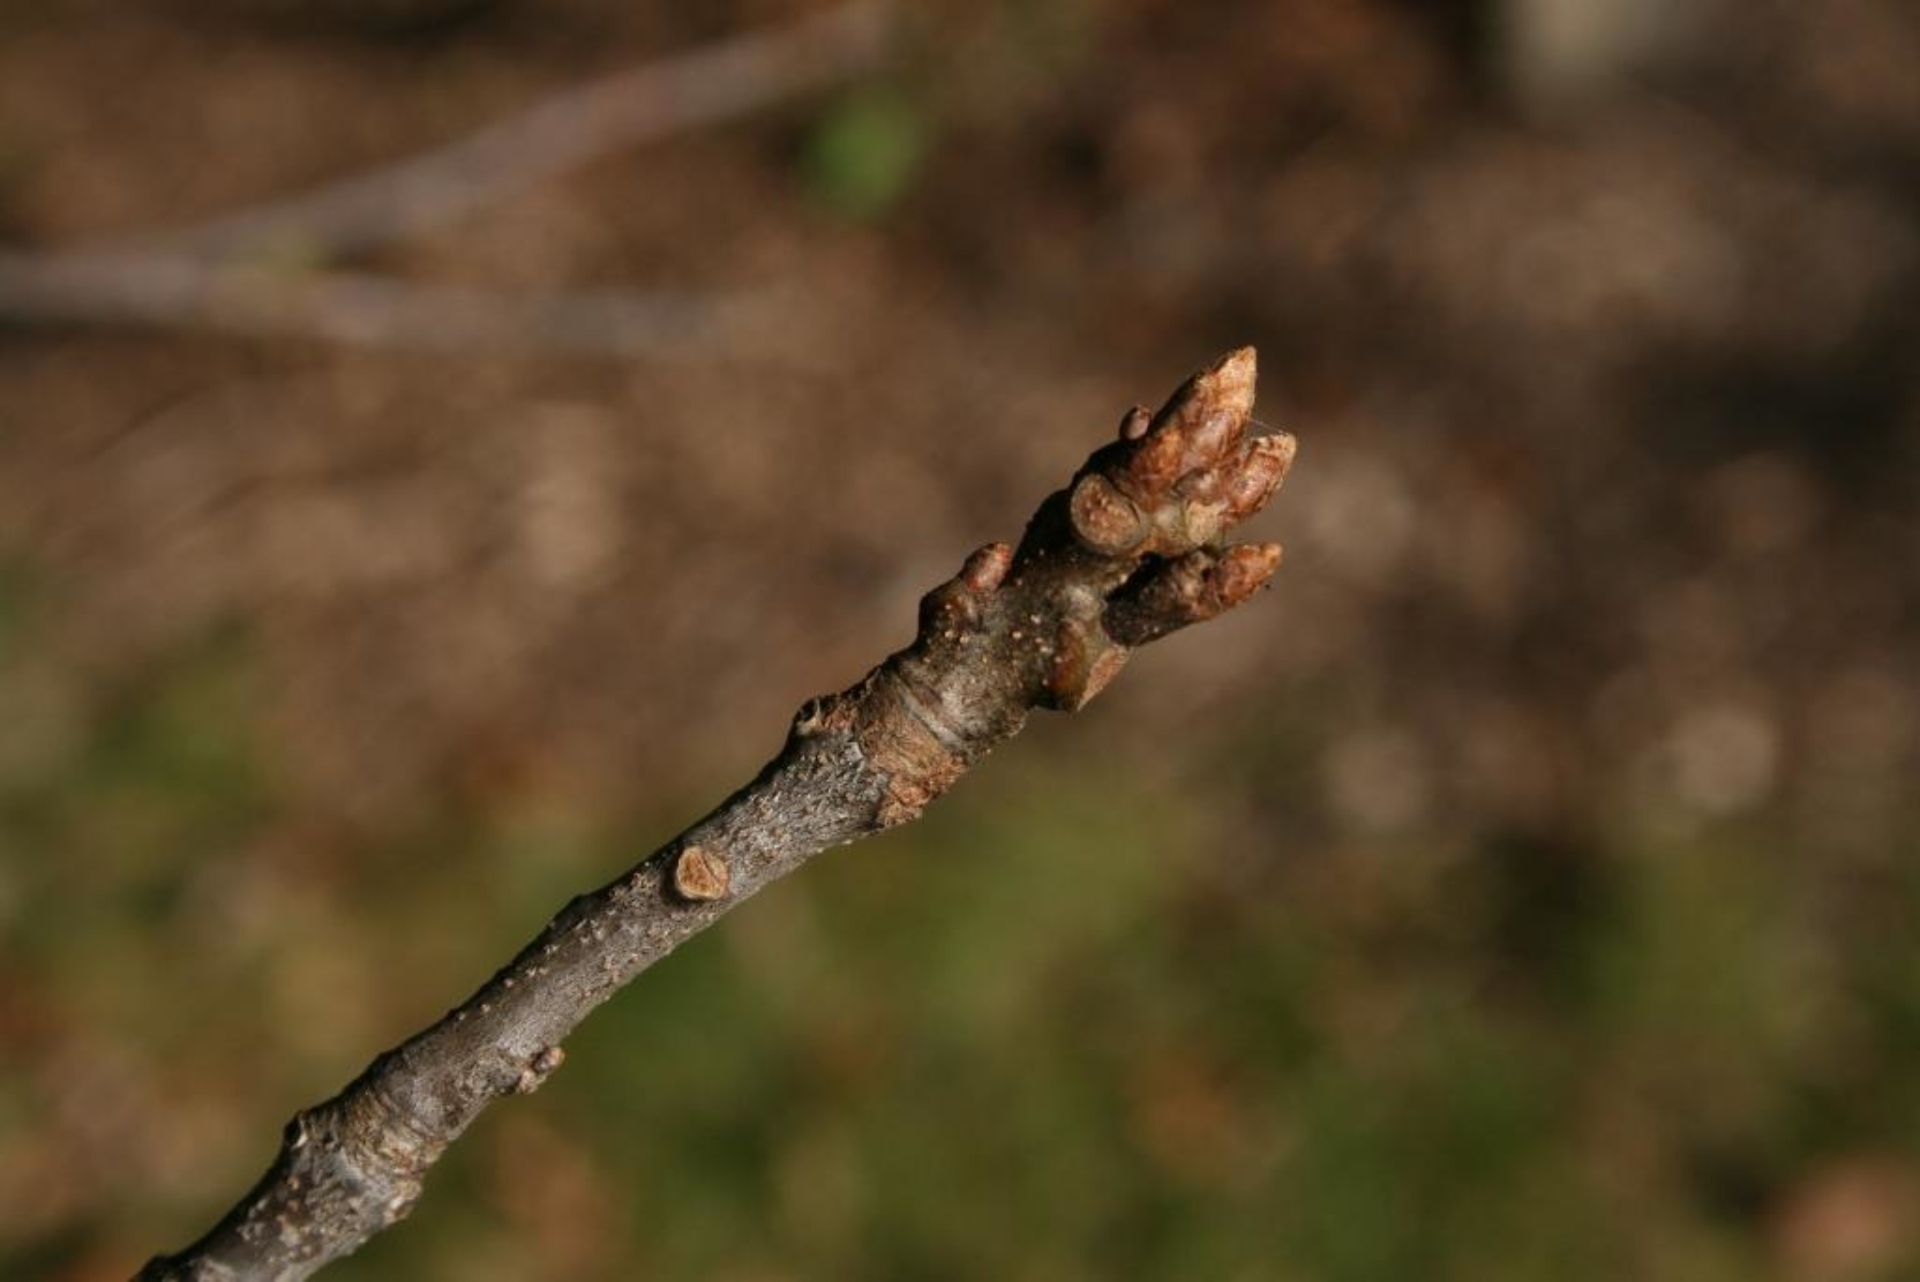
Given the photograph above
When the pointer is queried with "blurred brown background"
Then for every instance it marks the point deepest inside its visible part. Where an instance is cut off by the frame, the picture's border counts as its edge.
(1525, 888)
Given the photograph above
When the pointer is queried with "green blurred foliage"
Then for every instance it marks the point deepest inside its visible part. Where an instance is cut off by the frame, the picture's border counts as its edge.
(1024, 1038)
(862, 156)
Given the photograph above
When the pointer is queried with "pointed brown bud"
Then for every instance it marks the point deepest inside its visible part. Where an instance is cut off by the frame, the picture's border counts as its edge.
(1217, 432)
(1156, 464)
(1230, 380)
(986, 568)
(1224, 388)
(1189, 589)
(1261, 467)
(1241, 572)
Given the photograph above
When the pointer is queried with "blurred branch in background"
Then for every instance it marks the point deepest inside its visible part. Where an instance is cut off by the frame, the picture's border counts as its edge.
(552, 137)
(370, 309)
(232, 275)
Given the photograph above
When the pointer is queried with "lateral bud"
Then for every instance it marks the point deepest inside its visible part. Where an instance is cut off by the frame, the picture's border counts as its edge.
(700, 875)
(1104, 519)
(987, 567)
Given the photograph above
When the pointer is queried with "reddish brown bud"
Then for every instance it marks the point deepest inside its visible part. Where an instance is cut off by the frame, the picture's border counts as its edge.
(1156, 464)
(1213, 405)
(1135, 422)
(955, 604)
(1198, 426)
(1243, 571)
(1217, 431)
(1261, 467)
(987, 567)
(1189, 589)
(1229, 381)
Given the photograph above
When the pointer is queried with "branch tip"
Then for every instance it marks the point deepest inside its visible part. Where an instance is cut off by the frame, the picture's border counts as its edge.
(1129, 551)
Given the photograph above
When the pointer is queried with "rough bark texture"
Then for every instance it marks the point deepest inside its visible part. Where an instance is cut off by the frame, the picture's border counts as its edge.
(1131, 550)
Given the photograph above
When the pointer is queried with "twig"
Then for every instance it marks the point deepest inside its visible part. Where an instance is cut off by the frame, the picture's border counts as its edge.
(554, 136)
(1131, 550)
(228, 274)
(368, 309)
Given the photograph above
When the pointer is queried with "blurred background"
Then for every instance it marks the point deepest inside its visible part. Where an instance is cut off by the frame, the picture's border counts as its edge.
(1525, 888)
